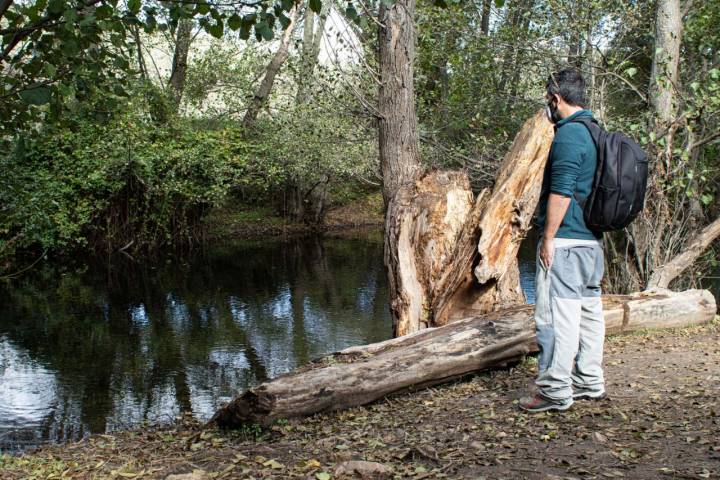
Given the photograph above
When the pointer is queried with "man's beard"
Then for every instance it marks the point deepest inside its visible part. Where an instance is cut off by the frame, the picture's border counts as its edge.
(552, 112)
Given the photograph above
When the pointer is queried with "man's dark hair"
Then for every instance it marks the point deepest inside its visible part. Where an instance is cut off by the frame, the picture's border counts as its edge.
(569, 84)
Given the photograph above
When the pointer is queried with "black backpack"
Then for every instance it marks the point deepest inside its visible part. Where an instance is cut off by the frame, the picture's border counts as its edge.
(618, 191)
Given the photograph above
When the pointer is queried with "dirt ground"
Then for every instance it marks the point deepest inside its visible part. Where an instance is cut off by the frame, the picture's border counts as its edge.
(660, 422)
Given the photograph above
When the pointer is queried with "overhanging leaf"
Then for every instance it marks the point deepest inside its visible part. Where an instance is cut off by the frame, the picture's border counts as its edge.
(216, 29)
(134, 6)
(39, 95)
(234, 22)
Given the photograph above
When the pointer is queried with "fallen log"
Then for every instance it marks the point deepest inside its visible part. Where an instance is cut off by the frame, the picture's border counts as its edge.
(359, 375)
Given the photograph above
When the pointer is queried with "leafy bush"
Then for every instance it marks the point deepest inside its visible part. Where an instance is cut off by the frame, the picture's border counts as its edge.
(106, 186)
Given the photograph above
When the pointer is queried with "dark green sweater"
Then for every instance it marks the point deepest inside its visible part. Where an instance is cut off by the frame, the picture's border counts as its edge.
(570, 168)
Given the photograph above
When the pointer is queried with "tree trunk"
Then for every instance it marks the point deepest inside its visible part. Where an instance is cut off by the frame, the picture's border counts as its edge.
(664, 76)
(183, 38)
(140, 58)
(485, 20)
(272, 70)
(662, 276)
(312, 36)
(360, 375)
(447, 253)
(644, 248)
(397, 125)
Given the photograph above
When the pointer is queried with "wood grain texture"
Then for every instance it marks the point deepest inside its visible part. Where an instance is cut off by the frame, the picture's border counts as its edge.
(360, 375)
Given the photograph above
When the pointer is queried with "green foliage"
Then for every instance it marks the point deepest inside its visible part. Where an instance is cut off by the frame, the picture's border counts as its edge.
(58, 50)
(105, 185)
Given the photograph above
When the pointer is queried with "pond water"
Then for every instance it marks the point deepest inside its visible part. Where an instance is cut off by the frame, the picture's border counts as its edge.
(111, 347)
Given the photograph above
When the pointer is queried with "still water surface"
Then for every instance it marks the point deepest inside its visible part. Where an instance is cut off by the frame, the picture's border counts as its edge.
(110, 348)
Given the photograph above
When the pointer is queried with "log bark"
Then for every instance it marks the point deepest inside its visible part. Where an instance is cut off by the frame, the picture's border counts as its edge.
(360, 375)
(662, 276)
(437, 235)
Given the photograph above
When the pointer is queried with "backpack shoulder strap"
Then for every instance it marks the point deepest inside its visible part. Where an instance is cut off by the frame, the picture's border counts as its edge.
(593, 127)
(597, 133)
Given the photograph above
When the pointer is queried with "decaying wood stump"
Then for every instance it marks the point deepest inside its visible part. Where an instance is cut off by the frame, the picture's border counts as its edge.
(437, 235)
(359, 375)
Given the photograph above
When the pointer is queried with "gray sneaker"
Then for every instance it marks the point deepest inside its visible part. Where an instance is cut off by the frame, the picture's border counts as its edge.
(580, 393)
(536, 404)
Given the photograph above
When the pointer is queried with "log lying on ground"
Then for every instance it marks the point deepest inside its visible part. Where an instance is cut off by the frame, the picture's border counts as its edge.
(359, 375)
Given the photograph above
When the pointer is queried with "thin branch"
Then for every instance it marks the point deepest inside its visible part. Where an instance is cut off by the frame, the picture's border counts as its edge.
(704, 141)
(625, 81)
(4, 5)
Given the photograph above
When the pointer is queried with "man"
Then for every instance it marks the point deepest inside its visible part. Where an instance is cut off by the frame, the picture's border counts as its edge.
(568, 311)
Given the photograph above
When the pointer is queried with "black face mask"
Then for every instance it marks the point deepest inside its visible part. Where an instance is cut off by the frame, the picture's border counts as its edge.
(552, 111)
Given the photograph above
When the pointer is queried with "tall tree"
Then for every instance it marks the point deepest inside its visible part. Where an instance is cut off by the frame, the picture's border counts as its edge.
(312, 36)
(397, 125)
(664, 75)
(182, 39)
(266, 85)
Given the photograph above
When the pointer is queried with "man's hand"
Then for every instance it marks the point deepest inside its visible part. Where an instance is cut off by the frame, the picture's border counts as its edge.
(547, 251)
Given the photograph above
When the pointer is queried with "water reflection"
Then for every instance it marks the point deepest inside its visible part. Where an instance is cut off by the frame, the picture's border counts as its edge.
(106, 349)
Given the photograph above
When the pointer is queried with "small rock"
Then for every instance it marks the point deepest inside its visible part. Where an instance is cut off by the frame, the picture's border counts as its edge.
(365, 470)
(477, 445)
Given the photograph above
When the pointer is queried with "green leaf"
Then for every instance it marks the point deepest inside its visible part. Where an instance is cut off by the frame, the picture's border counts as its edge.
(499, 3)
(631, 71)
(203, 8)
(70, 48)
(103, 11)
(316, 5)
(56, 7)
(351, 13)
(87, 20)
(134, 6)
(234, 22)
(322, 476)
(245, 30)
(263, 30)
(36, 95)
(216, 30)
(284, 21)
(706, 199)
(49, 70)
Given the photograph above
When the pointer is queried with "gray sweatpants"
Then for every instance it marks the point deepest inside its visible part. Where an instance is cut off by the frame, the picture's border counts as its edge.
(569, 320)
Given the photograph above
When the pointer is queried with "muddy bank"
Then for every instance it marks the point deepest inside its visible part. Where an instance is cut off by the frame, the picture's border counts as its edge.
(661, 421)
(237, 220)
